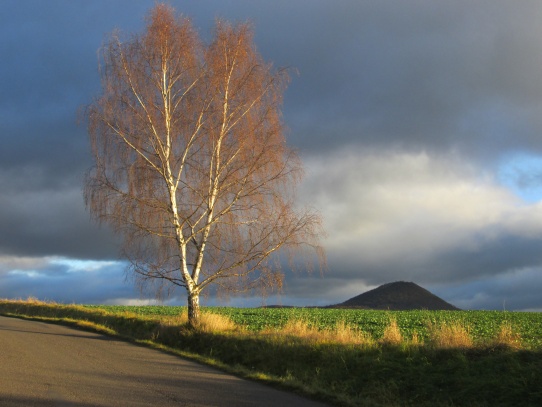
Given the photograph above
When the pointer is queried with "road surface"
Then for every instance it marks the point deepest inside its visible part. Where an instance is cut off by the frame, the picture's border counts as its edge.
(51, 365)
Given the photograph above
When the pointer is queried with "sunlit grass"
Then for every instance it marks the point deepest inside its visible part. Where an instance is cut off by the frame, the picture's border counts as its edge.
(450, 335)
(507, 337)
(302, 330)
(392, 334)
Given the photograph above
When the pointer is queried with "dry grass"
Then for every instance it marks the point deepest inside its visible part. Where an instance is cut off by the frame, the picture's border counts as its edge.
(32, 301)
(392, 334)
(345, 334)
(507, 337)
(341, 333)
(452, 335)
(300, 329)
(215, 323)
(442, 336)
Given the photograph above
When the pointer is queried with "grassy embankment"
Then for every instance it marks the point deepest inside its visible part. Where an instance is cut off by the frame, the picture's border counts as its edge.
(442, 363)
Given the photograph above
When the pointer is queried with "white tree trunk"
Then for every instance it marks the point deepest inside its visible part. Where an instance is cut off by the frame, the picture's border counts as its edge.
(193, 309)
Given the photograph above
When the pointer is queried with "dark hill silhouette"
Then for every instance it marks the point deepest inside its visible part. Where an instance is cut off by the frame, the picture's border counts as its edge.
(399, 295)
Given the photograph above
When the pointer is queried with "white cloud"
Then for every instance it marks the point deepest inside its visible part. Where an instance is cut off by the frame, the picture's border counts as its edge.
(391, 212)
(78, 265)
(134, 301)
(10, 263)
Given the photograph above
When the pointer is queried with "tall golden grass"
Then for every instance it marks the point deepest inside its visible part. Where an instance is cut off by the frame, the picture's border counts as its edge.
(214, 323)
(507, 337)
(209, 323)
(341, 333)
(392, 334)
(450, 335)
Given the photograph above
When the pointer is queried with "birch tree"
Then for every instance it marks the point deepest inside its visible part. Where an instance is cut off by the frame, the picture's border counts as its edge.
(191, 164)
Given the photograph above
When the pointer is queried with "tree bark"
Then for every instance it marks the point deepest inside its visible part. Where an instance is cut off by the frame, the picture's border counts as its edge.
(193, 309)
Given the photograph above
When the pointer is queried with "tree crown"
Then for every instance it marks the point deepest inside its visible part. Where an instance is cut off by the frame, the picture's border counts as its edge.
(191, 162)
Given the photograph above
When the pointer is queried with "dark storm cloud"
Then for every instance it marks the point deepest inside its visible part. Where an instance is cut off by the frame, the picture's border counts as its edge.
(419, 75)
(51, 223)
(48, 72)
(414, 74)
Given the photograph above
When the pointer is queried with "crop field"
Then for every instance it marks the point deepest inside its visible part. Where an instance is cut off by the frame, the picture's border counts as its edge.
(482, 325)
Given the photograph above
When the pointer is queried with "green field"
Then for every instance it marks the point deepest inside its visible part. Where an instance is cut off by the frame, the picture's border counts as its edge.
(482, 325)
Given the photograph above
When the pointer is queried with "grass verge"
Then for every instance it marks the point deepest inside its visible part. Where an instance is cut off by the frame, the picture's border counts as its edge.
(342, 366)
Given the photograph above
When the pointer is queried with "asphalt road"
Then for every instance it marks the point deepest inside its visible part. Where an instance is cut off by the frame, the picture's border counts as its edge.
(52, 365)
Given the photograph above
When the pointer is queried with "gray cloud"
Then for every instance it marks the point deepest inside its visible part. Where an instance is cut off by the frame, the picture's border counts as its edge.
(51, 222)
(457, 75)
(517, 290)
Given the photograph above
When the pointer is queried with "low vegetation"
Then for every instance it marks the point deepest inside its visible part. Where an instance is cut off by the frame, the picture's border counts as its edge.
(345, 357)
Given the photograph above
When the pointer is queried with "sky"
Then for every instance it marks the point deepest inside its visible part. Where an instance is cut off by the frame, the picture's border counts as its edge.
(419, 124)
